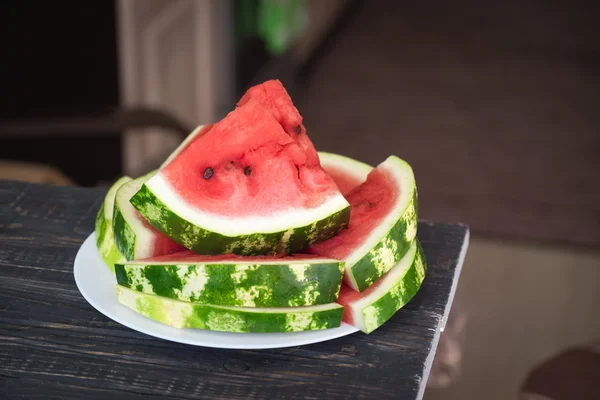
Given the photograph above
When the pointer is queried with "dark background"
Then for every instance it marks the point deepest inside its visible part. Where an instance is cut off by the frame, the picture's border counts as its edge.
(60, 58)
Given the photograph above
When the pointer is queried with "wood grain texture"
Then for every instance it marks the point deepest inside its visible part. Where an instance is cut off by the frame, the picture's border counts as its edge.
(53, 344)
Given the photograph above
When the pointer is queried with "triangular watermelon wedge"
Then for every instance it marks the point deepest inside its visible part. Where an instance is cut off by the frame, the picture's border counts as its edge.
(245, 187)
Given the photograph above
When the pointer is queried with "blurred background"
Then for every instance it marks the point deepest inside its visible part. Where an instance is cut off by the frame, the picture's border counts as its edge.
(495, 104)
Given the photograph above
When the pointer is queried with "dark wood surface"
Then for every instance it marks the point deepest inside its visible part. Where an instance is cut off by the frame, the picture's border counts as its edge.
(53, 344)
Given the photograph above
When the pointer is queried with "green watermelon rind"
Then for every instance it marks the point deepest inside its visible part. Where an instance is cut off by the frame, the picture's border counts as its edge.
(125, 236)
(181, 314)
(204, 241)
(392, 238)
(132, 239)
(388, 250)
(395, 290)
(105, 241)
(299, 282)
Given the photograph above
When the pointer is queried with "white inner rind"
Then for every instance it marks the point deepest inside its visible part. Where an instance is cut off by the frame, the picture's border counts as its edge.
(240, 225)
(356, 169)
(144, 236)
(403, 175)
(236, 261)
(386, 283)
(109, 200)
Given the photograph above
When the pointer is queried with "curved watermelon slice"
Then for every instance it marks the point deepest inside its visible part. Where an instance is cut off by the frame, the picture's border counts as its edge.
(230, 280)
(105, 240)
(182, 314)
(134, 237)
(382, 225)
(370, 309)
(244, 187)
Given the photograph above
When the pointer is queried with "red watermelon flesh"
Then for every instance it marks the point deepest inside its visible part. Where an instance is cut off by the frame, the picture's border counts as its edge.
(345, 182)
(273, 96)
(256, 168)
(370, 203)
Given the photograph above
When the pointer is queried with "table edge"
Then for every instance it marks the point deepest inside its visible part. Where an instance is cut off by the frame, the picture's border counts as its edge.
(442, 323)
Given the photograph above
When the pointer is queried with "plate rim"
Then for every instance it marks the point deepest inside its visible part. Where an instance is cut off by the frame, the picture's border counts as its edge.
(89, 245)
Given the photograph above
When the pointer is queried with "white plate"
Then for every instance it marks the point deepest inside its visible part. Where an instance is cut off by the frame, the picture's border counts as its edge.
(97, 285)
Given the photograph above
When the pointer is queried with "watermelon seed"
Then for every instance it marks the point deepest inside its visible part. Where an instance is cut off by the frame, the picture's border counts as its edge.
(208, 172)
(247, 170)
(298, 171)
(299, 129)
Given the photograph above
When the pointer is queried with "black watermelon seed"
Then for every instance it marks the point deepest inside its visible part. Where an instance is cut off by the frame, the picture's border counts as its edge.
(299, 129)
(208, 172)
(247, 170)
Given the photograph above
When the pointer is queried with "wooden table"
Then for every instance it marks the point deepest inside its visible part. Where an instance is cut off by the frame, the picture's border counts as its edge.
(53, 344)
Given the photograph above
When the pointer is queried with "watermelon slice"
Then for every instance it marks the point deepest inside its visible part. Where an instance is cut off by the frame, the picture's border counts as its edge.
(105, 240)
(134, 237)
(199, 131)
(230, 280)
(370, 309)
(383, 222)
(244, 187)
(182, 314)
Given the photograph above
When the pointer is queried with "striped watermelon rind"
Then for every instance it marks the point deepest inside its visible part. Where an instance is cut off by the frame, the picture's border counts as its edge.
(105, 241)
(129, 233)
(181, 314)
(391, 240)
(286, 239)
(134, 238)
(269, 283)
(394, 290)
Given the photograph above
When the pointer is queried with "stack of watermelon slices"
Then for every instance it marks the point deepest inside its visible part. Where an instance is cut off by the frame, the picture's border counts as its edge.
(247, 228)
